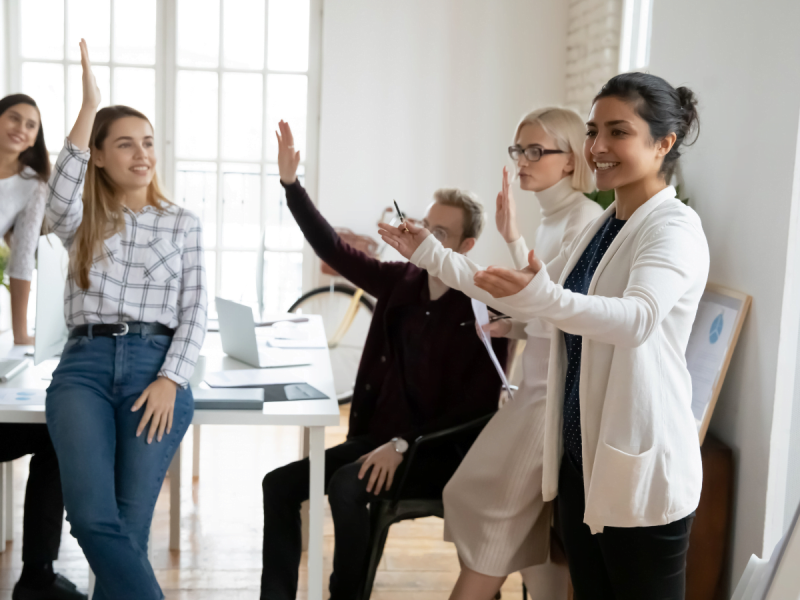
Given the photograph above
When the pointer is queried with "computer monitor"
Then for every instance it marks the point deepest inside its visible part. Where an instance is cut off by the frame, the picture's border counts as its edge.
(51, 328)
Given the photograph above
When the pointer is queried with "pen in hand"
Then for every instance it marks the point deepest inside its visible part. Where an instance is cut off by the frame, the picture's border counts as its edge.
(491, 320)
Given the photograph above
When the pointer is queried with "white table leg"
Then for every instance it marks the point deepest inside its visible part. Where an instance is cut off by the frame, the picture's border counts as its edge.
(316, 511)
(9, 500)
(3, 506)
(175, 501)
(92, 582)
(195, 451)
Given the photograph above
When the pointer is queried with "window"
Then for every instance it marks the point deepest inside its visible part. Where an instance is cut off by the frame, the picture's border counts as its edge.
(634, 49)
(236, 68)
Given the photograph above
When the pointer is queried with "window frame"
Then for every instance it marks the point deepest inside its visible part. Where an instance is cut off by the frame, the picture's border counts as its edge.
(166, 74)
(635, 35)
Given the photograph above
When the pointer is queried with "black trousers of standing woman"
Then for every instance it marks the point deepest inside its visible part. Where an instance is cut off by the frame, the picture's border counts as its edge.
(622, 563)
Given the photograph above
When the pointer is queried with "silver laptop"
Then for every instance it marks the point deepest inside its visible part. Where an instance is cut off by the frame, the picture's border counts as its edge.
(237, 329)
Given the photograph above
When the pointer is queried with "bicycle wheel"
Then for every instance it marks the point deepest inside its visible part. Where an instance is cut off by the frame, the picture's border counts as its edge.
(335, 304)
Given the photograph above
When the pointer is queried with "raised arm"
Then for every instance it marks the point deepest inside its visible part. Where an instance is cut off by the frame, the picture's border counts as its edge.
(670, 262)
(64, 209)
(360, 269)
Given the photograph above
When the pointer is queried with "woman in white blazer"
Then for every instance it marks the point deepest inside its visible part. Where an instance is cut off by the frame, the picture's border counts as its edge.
(618, 392)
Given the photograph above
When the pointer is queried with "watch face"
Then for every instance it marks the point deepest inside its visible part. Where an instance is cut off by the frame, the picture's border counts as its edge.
(400, 445)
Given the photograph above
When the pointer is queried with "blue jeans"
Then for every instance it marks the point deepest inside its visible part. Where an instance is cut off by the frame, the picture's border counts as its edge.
(110, 478)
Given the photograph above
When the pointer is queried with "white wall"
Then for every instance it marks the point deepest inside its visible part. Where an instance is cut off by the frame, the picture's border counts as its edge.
(418, 95)
(742, 58)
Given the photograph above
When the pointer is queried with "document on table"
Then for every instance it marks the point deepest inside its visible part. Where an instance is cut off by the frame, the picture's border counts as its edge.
(708, 347)
(20, 397)
(482, 318)
(256, 377)
(285, 335)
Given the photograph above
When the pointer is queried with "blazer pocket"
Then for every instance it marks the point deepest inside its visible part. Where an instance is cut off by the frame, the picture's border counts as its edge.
(163, 260)
(622, 483)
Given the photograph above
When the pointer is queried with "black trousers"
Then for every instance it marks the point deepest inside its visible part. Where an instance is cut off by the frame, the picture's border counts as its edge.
(44, 506)
(622, 563)
(287, 487)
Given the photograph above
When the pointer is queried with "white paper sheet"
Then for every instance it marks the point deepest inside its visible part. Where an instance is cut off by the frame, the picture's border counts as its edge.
(294, 335)
(20, 397)
(256, 377)
(482, 318)
(20, 351)
(706, 351)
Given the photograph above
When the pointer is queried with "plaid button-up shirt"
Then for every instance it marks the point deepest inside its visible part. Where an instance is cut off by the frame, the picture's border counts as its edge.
(151, 271)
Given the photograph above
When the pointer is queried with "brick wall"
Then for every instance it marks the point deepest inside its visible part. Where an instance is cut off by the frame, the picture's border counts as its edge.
(592, 49)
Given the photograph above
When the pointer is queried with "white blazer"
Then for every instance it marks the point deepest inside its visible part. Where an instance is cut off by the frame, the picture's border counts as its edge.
(641, 454)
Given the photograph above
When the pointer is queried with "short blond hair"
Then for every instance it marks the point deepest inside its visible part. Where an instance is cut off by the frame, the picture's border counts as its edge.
(569, 131)
(474, 215)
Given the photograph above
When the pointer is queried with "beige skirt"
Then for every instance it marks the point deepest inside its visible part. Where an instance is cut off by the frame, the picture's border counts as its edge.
(493, 506)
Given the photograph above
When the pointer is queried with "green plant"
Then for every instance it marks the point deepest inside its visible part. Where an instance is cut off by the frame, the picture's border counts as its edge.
(605, 197)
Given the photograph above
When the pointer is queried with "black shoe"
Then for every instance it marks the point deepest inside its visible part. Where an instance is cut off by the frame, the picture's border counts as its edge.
(61, 589)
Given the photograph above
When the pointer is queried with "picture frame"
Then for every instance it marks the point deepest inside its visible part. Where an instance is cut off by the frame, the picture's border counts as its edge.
(718, 323)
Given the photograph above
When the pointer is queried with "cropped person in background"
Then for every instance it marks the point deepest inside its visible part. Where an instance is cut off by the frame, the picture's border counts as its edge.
(24, 170)
(420, 372)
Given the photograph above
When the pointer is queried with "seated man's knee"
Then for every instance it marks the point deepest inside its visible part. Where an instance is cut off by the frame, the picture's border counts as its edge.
(345, 487)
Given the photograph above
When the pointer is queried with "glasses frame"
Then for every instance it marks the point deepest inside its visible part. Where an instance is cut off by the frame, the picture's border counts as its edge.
(536, 151)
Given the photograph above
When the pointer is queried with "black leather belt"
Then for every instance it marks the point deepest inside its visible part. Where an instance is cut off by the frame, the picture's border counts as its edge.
(120, 329)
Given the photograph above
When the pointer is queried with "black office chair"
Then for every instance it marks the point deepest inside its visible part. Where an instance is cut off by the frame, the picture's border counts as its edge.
(386, 512)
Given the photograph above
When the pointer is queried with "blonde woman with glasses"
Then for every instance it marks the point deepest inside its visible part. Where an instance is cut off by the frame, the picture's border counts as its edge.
(494, 510)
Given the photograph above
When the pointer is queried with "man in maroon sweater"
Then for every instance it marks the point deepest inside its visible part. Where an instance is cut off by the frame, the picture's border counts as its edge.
(420, 372)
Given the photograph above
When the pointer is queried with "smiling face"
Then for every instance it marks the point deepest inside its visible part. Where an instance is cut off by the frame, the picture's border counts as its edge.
(619, 147)
(550, 168)
(128, 153)
(19, 126)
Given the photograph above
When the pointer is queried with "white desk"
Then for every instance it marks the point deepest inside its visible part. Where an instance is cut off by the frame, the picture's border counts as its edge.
(315, 415)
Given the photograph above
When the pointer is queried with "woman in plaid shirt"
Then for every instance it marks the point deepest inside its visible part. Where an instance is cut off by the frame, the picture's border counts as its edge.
(135, 303)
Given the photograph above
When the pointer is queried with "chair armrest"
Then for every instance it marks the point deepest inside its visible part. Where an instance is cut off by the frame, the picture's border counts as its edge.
(427, 439)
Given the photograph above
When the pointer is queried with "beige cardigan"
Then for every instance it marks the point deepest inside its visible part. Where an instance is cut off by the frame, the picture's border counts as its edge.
(641, 456)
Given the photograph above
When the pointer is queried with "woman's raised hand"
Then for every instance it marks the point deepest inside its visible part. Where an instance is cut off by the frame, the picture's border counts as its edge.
(288, 158)
(91, 93)
(82, 130)
(405, 239)
(506, 216)
(500, 282)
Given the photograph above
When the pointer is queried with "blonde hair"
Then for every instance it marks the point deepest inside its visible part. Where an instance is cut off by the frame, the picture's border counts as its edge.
(474, 215)
(569, 132)
(102, 208)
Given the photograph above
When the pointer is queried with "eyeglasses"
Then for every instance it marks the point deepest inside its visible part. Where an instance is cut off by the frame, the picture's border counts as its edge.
(532, 153)
(440, 234)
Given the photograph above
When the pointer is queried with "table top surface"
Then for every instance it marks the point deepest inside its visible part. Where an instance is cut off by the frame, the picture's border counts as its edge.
(308, 413)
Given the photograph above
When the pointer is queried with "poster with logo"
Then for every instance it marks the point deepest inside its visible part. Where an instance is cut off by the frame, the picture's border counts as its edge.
(714, 334)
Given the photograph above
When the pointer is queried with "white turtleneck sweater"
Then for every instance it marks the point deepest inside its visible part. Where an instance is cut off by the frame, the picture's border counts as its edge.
(565, 213)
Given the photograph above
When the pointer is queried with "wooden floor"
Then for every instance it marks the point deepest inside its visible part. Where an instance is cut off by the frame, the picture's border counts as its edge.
(221, 528)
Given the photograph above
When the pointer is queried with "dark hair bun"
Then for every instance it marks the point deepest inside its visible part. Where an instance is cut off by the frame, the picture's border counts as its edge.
(691, 118)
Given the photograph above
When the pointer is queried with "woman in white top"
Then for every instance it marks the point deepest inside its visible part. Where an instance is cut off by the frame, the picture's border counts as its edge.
(135, 303)
(24, 170)
(621, 447)
(494, 511)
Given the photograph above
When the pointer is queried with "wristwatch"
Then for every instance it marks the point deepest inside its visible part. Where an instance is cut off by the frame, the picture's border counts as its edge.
(400, 445)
